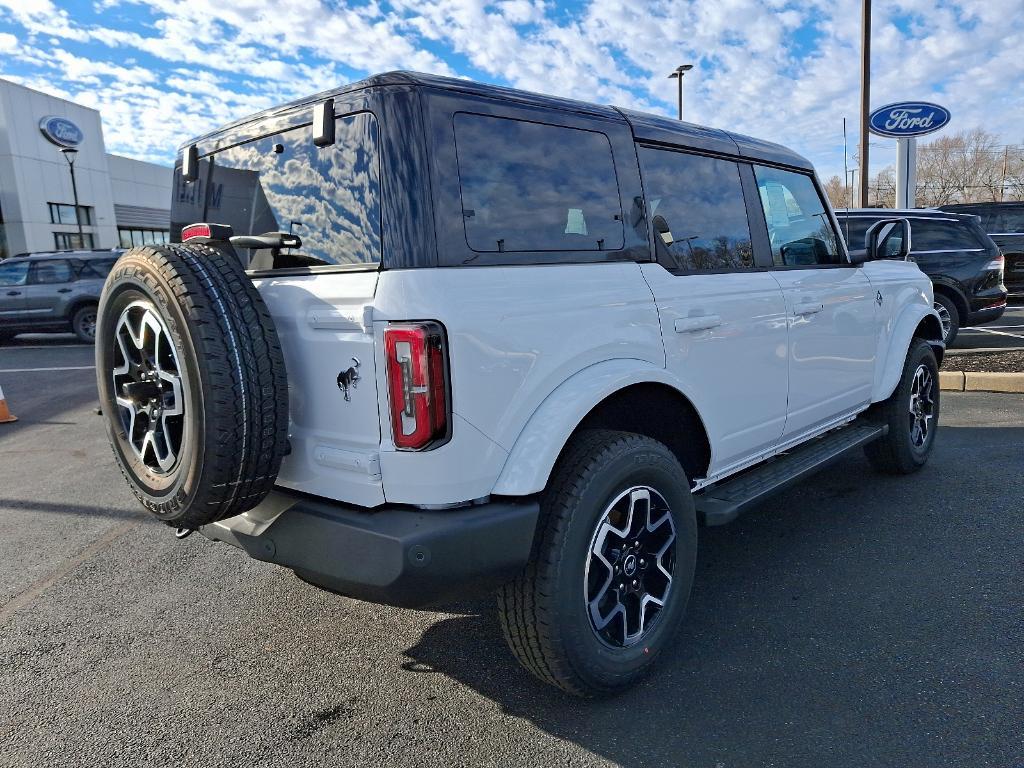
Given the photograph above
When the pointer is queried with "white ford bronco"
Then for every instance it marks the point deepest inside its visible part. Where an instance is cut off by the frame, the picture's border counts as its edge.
(440, 337)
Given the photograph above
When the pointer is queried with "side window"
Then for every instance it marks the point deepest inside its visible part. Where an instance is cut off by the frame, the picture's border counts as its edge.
(799, 228)
(941, 236)
(696, 207)
(57, 271)
(97, 269)
(13, 274)
(536, 187)
(854, 230)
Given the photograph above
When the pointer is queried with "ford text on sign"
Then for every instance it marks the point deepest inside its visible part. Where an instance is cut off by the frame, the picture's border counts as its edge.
(61, 131)
(908, 118)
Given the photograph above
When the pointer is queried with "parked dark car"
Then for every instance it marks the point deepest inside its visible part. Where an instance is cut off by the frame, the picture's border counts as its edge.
(55, 291)
(963, 262)
(1004, 223)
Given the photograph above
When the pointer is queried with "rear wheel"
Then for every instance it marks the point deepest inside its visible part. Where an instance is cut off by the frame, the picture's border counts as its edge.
(949, 317)
(912, 415)
(192, 383)
(83, 323)
(612, 567)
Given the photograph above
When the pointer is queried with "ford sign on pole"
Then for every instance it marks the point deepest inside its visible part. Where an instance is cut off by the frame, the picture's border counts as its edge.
(61, 131)
(905, 121)
(908, 118)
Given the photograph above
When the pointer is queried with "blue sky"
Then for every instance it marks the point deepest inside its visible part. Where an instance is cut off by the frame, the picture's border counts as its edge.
(783, 70)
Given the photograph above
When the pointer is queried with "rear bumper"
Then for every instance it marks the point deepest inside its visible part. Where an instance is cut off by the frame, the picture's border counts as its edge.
(987, 315)
(399, 556)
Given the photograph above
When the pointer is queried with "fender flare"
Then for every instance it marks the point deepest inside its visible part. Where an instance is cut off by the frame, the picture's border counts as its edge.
(540, 442)
(904, 329)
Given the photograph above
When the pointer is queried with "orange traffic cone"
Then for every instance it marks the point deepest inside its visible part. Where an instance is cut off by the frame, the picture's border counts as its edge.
(5, 413)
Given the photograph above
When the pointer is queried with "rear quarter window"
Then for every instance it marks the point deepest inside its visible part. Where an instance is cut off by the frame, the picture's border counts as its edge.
(941, 235)
(536, 187)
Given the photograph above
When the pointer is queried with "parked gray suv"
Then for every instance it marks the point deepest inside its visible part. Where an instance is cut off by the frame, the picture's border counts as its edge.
(56, 291)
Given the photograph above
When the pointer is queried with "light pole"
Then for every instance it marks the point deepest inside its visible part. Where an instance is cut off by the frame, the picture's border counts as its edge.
(69, 155)
(678, 73)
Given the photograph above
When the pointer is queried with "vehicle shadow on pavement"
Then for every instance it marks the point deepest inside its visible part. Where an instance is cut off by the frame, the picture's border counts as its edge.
(841, 624)
(84, 510)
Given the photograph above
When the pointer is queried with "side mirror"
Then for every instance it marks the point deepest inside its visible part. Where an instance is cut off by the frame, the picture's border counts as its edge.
(662, 231)
(887, 239)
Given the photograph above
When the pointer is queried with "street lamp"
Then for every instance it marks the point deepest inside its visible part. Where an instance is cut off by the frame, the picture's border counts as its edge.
(70, 153)
(678, 73)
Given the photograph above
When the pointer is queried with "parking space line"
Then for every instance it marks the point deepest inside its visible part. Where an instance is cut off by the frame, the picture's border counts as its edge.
(999, 333)
(41, 585)
(49, 346)
(65, 368)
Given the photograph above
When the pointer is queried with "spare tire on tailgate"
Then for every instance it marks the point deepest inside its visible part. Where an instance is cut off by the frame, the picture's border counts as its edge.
(192, 383)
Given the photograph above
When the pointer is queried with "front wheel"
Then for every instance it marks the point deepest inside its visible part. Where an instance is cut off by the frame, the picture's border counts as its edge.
(912, 415)
(610, 574)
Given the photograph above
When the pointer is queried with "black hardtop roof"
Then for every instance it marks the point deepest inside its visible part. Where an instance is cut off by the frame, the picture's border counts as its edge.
(646, 127)
(992, 204)
(920, 213)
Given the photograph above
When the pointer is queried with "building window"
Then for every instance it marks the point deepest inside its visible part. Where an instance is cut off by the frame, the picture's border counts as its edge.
(131, 237)
(65, 214)
(70, 241)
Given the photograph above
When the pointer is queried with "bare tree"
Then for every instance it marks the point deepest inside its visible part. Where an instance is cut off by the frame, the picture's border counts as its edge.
(965, 167)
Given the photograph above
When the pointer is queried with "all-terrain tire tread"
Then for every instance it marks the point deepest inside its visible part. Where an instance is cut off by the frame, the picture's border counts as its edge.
(524, 607)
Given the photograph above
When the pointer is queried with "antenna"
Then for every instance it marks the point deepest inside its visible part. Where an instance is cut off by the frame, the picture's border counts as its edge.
(846, 182)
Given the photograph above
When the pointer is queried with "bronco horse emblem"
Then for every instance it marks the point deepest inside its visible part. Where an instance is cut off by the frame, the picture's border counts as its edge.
(349, 379)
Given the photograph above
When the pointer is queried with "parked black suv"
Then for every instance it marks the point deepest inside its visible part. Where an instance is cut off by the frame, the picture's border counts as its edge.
(54, 291)
(1004, 223)
(963, 262)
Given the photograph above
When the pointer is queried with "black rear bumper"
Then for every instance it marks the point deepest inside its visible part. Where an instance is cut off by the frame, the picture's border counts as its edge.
(399, 555)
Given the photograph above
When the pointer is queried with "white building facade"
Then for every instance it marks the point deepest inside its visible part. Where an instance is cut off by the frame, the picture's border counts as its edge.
(121, 202)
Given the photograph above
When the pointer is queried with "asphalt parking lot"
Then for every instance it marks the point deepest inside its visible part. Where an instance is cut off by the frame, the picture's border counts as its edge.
(1005, 333)
(856, 620)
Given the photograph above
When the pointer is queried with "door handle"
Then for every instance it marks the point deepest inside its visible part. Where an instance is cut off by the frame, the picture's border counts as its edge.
(14, 293)
(808, 308)
(63, 290)
(697, 323)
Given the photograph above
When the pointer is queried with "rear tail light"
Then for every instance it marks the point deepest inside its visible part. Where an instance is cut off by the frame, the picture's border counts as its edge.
(996, 265)
(418, 390)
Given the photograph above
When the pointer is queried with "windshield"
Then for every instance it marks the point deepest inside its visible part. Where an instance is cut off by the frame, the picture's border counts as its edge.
(328, 196)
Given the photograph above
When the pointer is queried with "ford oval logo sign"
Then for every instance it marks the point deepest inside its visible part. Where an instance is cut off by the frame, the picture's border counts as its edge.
(61, 131)
(908, 118)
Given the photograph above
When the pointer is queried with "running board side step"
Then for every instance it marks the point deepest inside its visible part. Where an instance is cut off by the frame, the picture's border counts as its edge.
(723, 502)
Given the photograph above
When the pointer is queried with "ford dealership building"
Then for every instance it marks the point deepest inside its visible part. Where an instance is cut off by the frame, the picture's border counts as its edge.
(52, 150)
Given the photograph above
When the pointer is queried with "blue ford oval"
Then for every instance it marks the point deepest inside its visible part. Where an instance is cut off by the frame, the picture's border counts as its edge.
(908, 118)
(61, 131)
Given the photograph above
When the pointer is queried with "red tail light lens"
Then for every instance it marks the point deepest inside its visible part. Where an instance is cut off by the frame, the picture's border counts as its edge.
(417, 384)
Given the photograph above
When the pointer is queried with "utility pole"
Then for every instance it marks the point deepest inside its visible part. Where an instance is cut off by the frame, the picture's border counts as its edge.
(865, 98)
(69, 155)
(1006, 160)
(678, 73)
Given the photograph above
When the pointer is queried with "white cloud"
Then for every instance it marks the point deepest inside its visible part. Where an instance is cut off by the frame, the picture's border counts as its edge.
(784, 70)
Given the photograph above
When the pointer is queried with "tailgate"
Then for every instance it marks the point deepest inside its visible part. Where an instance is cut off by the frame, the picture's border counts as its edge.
(334, 428)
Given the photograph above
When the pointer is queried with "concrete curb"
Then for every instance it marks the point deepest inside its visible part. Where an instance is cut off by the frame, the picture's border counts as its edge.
(981, 381)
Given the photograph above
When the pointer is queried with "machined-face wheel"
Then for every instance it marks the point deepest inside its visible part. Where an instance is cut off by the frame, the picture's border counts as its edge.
(944, 319)
(922, 406)
(148, 387)
(630, 565)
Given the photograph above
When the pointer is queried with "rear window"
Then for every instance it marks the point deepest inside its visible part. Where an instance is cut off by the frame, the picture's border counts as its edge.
(328, 196)
(536, 187)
